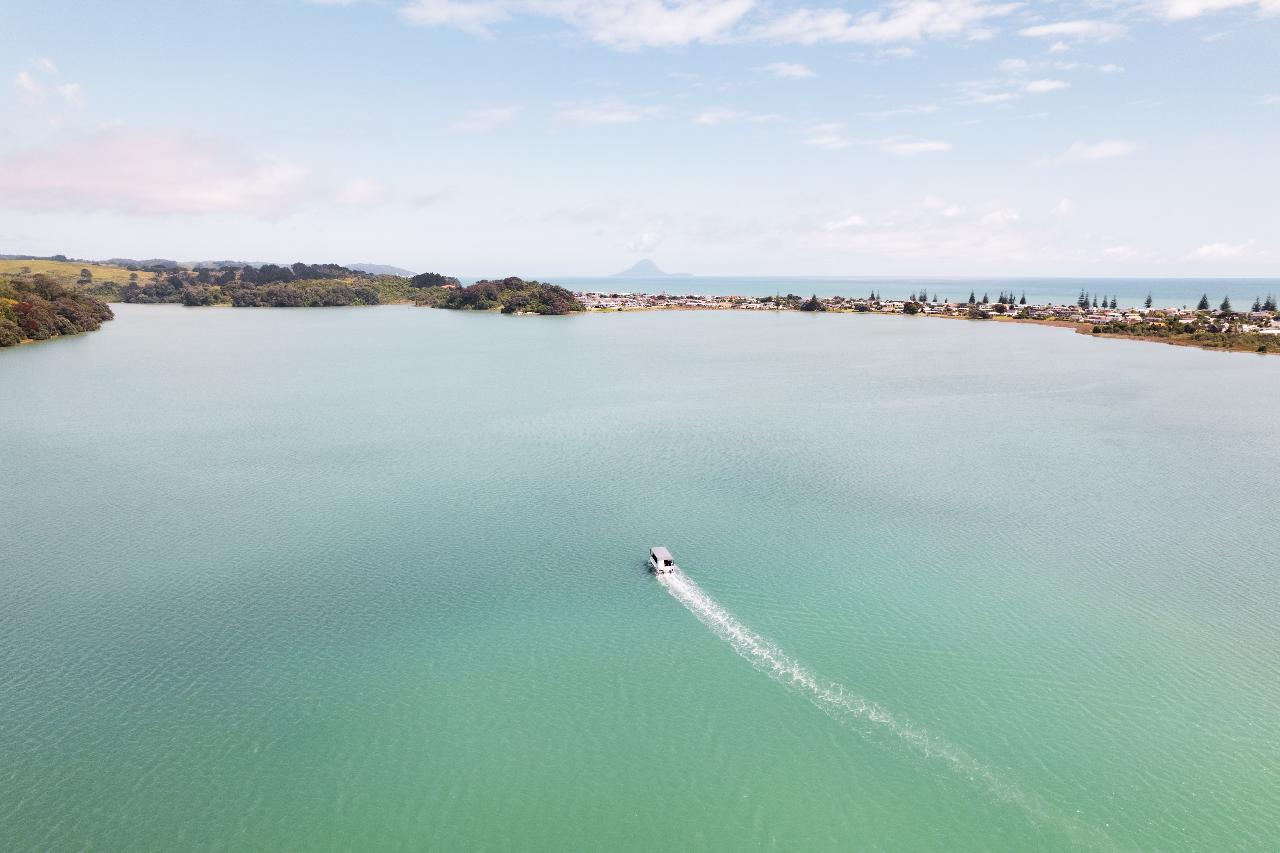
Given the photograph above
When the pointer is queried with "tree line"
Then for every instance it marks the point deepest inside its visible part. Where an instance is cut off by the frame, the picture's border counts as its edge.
(270, 285)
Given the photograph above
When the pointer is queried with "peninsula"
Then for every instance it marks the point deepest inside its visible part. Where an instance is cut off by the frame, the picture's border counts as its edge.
(1256, 330)
(36, 308)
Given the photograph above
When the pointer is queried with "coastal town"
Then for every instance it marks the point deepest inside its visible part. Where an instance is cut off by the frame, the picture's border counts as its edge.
(1256, 329)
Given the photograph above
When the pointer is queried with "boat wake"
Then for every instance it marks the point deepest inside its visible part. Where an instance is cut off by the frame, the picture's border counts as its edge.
(848, 708)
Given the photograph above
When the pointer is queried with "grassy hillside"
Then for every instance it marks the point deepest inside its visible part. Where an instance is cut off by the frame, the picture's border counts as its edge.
(105, 279)
(112, 283)
(298, 285)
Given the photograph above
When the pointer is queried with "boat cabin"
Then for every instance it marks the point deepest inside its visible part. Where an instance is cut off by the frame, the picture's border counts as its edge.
(660, 561)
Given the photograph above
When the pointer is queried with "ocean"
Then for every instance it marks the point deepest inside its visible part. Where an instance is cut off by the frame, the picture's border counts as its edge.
(374, 578)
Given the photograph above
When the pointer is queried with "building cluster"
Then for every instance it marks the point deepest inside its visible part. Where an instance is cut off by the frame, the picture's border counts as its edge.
(1263, 322)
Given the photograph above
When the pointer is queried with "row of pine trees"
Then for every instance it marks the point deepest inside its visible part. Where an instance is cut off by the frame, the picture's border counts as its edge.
(1086, 301)
(1269, 304)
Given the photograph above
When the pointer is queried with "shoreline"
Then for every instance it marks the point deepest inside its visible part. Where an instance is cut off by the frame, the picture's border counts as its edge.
(1080, 327)
(1085, 328)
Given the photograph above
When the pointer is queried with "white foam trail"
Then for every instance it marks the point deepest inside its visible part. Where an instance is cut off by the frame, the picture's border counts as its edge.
(839, 702)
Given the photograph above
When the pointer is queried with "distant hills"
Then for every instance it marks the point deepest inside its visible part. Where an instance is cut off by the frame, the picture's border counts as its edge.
(381, 269)
(645, 268)
(145, 262)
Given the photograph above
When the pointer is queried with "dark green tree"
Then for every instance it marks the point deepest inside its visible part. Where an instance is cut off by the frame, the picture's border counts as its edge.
(972, 300)
(1204, 303)
(1148, 301)
(1225, 307)
(433, 279)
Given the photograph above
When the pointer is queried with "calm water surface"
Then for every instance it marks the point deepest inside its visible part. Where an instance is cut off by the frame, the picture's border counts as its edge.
(372, 579)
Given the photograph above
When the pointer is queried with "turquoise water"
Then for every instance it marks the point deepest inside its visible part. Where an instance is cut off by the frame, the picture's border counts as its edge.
(1129, 292)
(373, 579)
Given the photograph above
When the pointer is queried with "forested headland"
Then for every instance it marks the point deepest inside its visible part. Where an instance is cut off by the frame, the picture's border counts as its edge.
(508, 295)
(297, 285)
(35, 307)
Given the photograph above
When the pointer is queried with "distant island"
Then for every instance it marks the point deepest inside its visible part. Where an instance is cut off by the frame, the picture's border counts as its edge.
(645, 268)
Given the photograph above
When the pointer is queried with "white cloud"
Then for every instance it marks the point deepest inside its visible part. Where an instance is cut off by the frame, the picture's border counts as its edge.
(1224, 251)
(1083, 30)
(1181, 10)
(147, 172)
(631, 24)
(471, 17)
(1001, 217)
(845, 222)
(896, 52)
(904, 20)
(1111, 68)
(991, 97)
(610, 112)
(911, 147)
(483, 120)
(900, 21)
(28, 89)
(361, 192)
(720, 115)
(918, 109)
(942, 207)
(1125, 253)
(1013, 66)
(1059, 47)
(1270, 100)
(1039, 87)
(644, 243)
(33, 88)
(829, 136)
(788, 70)
(623, 24)
(717, 115)
(1089, 152)
(933, 227)
(72, 94)
(1064, 207)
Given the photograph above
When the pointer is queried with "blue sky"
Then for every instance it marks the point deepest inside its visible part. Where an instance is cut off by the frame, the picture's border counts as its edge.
(562, 137)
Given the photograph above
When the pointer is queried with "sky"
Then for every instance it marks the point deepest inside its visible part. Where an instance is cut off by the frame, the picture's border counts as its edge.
(715, 137)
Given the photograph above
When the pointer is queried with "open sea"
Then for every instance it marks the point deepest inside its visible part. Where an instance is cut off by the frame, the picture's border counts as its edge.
(373, 579)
